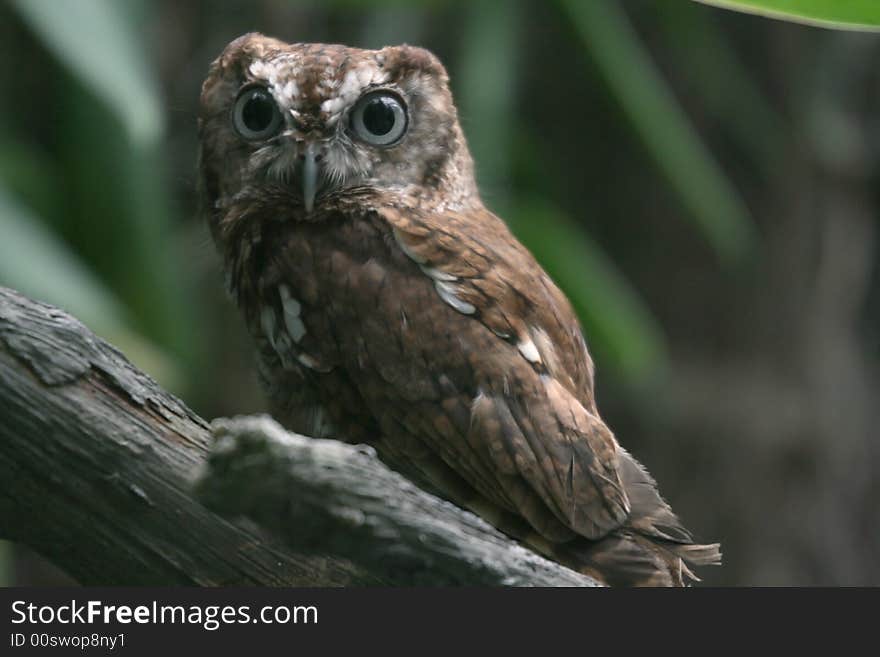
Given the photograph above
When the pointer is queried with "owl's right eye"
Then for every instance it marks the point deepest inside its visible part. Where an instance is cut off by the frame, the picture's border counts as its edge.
(256, 115)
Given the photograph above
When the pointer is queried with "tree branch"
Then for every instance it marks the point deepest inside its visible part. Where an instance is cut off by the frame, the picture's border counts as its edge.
(97, 466)
(328, 497)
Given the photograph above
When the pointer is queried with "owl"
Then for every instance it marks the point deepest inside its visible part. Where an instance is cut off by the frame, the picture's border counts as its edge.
(388, 306)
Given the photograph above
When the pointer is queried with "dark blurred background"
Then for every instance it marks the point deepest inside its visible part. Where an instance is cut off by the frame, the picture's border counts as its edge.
(703, 184)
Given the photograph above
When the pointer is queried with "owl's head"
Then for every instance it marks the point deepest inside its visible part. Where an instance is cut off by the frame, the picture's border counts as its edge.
(315, 122)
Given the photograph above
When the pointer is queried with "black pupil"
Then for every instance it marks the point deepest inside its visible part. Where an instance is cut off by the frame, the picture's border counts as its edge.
(258, 112)
(379, 116)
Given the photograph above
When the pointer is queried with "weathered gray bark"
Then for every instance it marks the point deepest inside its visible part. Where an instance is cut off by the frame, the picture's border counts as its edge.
(97, 472)
(328, 497)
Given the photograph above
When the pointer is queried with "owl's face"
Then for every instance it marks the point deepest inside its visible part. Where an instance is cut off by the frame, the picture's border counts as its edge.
(315, 122)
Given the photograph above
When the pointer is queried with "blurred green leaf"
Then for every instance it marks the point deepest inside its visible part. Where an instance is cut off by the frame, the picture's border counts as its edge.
(31, 175)
(619, 326)
(633, 79)
(839, 14)
(120, 216)
(117, 212)
(34, 262)
(486, 86)
(735, 98)
(102, 48)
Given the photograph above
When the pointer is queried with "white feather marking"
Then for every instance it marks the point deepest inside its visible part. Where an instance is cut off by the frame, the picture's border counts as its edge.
(313, 363)
(264, 69)
(332, 105)
(476, 401)
(291, 305)
(286, 93)
(268, 323)
(357, 79)
(295, 328)
(448, 293)
(292, 308)
(529, 351)
(437, 274)
(351, 85)
(365, 75)
(546, 349)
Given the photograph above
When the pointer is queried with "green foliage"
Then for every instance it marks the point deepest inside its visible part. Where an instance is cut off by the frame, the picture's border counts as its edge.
(103, 243)
(486, 83)
(36, 262)
(734, 99)
(713, 202)
(108, 57)
(840, 14)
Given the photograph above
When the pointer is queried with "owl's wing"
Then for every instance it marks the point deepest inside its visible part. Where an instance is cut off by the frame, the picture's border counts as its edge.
(531, 422)
(480, 269)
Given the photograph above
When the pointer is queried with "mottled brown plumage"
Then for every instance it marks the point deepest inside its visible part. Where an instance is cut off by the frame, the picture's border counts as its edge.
(390, 307)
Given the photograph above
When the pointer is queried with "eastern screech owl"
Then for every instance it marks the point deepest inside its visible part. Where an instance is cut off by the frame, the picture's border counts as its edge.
(389, 306)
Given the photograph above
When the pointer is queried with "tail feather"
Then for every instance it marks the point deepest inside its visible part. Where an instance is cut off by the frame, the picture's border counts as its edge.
(627, 558)
(653, 548)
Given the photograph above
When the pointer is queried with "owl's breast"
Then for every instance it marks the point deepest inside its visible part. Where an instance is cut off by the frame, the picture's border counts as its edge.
(313, 297)
(341, 297)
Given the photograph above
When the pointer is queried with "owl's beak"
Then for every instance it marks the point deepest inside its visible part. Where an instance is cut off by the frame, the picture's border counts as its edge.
(310, 176)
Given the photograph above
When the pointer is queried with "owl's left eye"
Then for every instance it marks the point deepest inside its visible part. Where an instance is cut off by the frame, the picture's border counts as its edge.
(256, 115)
(379, 118)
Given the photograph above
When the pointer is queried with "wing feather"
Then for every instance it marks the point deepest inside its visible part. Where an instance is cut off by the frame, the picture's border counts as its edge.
(533, 442)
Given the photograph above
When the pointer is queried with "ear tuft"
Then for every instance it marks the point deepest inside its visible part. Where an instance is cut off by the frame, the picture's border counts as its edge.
(400, 60)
